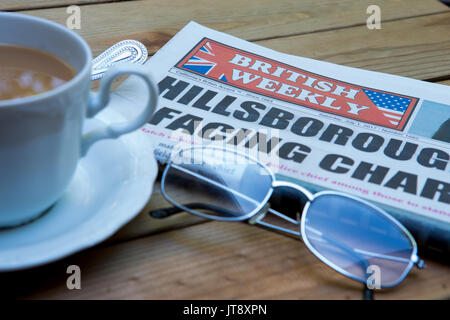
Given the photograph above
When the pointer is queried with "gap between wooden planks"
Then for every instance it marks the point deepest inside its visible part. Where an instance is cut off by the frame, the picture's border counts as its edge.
(18, 5)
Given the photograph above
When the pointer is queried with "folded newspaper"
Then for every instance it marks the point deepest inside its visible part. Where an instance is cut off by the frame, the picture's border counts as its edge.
(380, 137)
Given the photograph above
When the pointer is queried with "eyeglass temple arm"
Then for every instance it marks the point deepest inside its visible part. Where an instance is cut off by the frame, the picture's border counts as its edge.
(257, 219)
(170, 211)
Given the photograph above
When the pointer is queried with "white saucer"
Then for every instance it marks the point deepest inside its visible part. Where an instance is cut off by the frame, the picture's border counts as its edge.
(111, 185)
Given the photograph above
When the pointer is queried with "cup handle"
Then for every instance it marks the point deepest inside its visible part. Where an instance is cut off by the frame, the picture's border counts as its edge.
(99, 100)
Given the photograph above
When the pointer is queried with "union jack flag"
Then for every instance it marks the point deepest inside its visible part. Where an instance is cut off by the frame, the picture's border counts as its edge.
(203, 62)
(393, 107)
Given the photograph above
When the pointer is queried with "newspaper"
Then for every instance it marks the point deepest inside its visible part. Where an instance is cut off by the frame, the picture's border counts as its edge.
(380, 137)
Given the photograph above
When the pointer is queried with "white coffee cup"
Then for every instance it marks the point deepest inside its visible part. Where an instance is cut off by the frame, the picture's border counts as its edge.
(41, 136)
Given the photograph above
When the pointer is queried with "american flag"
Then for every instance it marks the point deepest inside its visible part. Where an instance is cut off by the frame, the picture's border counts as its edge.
(393, 107)
(203, 62)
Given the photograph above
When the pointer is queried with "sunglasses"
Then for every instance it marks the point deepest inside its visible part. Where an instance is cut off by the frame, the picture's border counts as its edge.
(350, 235)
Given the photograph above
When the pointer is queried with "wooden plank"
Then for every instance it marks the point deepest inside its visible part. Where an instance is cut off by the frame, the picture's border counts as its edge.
(417, 47)
(214, 260)
(17, 5)
(139, 258)
(104, 24)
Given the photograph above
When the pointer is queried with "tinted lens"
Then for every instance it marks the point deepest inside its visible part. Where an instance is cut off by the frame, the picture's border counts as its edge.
(217, 183)
(358, 239)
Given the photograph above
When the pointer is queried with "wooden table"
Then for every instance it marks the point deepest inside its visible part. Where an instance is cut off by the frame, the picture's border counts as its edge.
(184, 257)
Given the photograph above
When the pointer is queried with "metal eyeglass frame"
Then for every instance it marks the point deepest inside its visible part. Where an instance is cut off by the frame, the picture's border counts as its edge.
(257, 215)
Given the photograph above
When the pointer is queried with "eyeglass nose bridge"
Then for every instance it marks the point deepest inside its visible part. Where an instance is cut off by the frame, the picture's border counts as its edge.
(304, 191)
(259, 216)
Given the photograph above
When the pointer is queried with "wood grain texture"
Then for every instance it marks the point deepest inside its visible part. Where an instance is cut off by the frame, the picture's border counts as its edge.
(417, 48)
(154, 22)
(17, 5)
(214, 260)
(422, 54)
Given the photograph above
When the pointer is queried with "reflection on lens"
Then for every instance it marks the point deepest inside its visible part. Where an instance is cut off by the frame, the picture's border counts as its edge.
(353, 236)
(219, 184)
